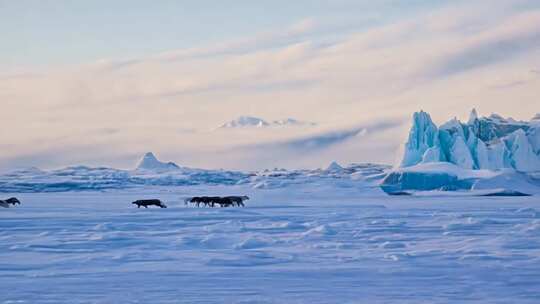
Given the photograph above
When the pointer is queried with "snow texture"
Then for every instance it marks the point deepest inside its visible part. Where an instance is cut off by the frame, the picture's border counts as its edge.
(295, 245)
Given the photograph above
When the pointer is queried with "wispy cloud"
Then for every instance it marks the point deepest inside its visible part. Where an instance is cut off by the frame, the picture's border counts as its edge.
(515, 36)
(324, 140)
(445, 62)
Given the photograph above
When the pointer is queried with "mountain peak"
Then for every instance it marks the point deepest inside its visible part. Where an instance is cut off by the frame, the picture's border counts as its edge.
(292, 122)
(334, 167)
(150, 162)
(246, 121)
(255, 122)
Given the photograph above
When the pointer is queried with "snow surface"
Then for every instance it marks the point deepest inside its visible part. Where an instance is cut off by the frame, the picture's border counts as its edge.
(300, 244)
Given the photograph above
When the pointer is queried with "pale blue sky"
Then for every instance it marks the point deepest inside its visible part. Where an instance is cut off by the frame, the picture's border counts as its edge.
(59, 32)
(102, 82)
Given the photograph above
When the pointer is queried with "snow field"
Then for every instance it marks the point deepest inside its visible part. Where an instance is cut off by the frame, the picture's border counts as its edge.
(95, 248)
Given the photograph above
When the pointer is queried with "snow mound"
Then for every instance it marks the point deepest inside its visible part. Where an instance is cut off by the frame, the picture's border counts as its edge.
(150, 162)
(509, 181)
(490, 143)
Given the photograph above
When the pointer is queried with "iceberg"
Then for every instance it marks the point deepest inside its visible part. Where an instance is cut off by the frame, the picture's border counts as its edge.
(486, 153)
(150, 162)
(445, 176)
(422, 137)
(334, 167)
(490, 142)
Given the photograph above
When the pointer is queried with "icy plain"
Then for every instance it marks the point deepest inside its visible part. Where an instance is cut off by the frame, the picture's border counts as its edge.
(300, 244)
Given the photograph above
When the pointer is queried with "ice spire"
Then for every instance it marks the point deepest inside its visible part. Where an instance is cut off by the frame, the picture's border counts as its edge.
(473, 116)
(423, 135)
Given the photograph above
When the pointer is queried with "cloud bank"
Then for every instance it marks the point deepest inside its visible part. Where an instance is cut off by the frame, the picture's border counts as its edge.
(109, 112)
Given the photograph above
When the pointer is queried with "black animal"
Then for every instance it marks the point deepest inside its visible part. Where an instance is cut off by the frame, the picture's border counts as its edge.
(149, 202)
(223, 201)
(212, 201)
(196, 200)
(10, 201)
(239, 200)
(13, 200)
(209, 201)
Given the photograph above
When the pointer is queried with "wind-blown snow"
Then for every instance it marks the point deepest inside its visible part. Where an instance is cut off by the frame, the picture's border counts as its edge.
(300, 246)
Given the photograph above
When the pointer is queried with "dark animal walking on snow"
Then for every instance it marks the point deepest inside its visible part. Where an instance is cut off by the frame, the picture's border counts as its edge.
(10, 201)
(149, 202)
(212, 201)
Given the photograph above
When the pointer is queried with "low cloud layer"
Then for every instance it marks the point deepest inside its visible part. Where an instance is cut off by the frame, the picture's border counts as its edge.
(338, 75)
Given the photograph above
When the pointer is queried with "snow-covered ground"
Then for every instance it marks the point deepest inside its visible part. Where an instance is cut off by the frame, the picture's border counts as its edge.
(299, 244)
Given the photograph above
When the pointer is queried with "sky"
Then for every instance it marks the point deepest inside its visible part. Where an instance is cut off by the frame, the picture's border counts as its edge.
(102, 82)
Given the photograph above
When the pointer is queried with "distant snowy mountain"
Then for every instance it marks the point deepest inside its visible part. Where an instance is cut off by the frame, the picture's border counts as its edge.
(150, 162)
(82, 178)
(334, 167)
(490, 142)
(246, 121)
(255, 122)
(292, 122)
